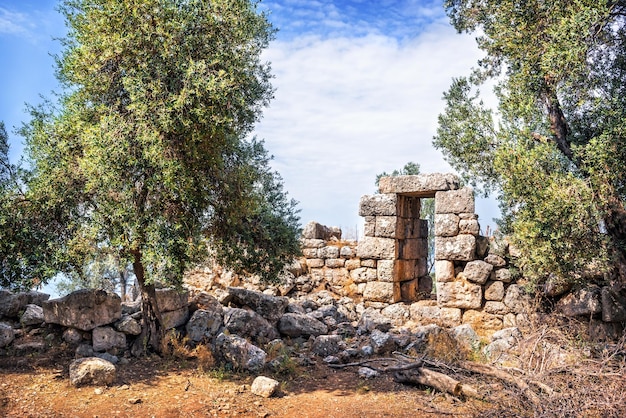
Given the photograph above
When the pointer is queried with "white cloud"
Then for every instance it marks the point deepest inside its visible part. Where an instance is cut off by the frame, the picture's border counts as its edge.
(12, 23)
(348, 108)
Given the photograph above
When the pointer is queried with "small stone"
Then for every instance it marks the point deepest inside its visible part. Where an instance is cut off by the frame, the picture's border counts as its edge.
(264, 386)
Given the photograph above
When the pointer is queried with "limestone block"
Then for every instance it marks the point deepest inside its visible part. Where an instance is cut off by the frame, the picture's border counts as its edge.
(334, 263)
(469, 226)
(264, 386)
(346, 252)
(378, 205)
(503, 275)
(314, 263)
(339, 276)
(329, 252)
(173, 319)
(459, 248)
(92, 371)
(477, 271)
(314, 230)
(412, 249)
(368, 263)
(355, 263)
(240, 353)
(485, 324)
(495, 260)
(106, 338)
(363, 274)
(496, 308)
(83, 309)
(406, 291)
(421, 184)
(509, 320)
(494, 291)
(33, 315)
(426, 312)
(455, 201)
(386, 226)
(313, 243)
(369, 227)
(581, 302)
(446, 225)
(385, 269)
(310, 252)
(376, 248)
(444, 270)
(459, 294)
(517, 300)
(378, 292)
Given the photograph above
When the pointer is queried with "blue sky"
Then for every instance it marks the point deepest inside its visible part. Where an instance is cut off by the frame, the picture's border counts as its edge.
(359, 86)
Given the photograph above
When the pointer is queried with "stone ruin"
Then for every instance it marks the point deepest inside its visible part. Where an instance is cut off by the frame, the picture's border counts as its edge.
(341, 300)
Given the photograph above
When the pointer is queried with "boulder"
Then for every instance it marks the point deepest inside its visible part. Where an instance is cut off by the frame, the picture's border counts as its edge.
(250, 325)
(205, 323)
(92, 371)
(327, 345)
(264, 386)
(372, 319)
(477, 271)
(269, 307)
(494, 291)
(240, 353)
(128, 325)
(382, 342)
(7, 334)
(516, 299)
(169, 300)
(72, 336)
(83, 309)
(583, 302)
(175, 319)
(11, 304)
(33, 315)
(106, 338)
(299, 324)
(466, 337)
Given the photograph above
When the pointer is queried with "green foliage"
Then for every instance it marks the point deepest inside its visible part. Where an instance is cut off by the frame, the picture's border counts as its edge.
(554, 150)
(145, 155)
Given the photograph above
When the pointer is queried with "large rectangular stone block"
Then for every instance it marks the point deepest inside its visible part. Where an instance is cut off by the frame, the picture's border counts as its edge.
(386, 226)
(427, 312)
(378, 292)
(376, 248)
(412, 249)
(378, 205)
(455, 201)
(419, 185)
(408, 207)
(459, 248)
(459, 294)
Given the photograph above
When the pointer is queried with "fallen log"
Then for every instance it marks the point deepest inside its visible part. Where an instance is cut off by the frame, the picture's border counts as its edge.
(439, 381)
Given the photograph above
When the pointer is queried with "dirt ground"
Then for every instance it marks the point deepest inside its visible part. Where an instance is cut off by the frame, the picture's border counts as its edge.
(37, 385)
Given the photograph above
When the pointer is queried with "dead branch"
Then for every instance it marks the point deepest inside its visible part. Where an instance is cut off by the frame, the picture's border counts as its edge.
(439, 381)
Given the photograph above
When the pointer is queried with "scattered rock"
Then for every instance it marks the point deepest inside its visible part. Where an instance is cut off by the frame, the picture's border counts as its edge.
(92, 371)
(264, 386)
(83, 309)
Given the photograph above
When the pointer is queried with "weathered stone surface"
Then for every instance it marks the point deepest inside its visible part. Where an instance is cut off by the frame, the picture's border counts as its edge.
(33, 315)
(385, 226)
(315, 263)
(503, 275)
(372, 319)
(376, 248)
(378, 292)
(313, 243)
(613, 306)
(382, 342)
(240, 353)
(496, 308)
(444, 271)
(346, 252)
(605, 331)
(482, 245)
(369, 263)
(250, 325)
(581, 302)
(171, 299)
(83, 309)
(378, 205)
(352, 264)
(455, 201)
(412, 248)
(106, 338)
(485, 324)
(298, 324)
(73, 336)
(398, 313)
(174, 319)
(446, 225)
(92, 371)
(314, 230)
(495, 260)
(206, 301)
(556, 286)
(516, 299)
(363, 275)
(327, 345)
(269, 307)
(205, 323)
(459, 248)
(469, 226)
(426, 312)
(421, 184)
(264, 386)
(384, 270)
(128, 325)
(459, 294)
(7, 334)
(494, 291)
(11, 304)
(329, 251)
(466, 337)
(334, 263)
(477, 271)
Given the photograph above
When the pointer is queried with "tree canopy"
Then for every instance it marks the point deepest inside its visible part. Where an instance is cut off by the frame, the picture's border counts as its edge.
(554, 150)
(147, 155)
